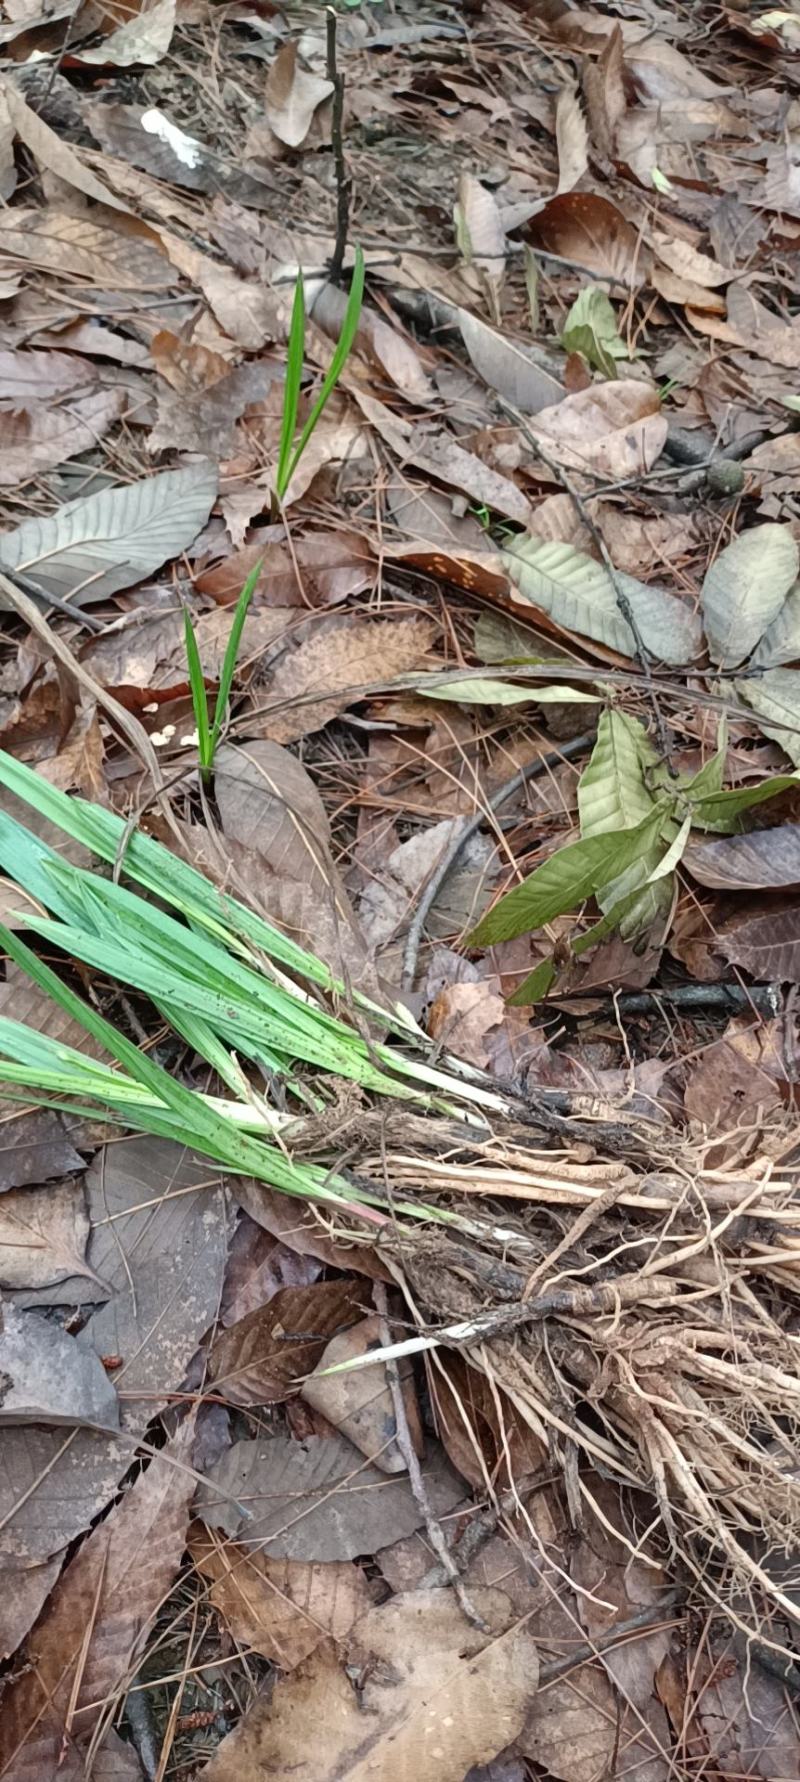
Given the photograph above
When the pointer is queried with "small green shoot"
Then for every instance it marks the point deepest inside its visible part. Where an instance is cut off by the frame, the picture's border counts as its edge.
(591, 330)
(290, 451)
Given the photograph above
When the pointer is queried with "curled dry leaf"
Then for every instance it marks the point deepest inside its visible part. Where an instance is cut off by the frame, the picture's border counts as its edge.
(52, 152)
(437, 1696)
(592, 232)
(390, 349)
(92, 1628)
(572, 140)
(339, 660)
(481, 236)
(292, 96)
(282, 1608)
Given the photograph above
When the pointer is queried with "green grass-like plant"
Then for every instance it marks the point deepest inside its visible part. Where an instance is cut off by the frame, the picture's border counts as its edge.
(290, 451)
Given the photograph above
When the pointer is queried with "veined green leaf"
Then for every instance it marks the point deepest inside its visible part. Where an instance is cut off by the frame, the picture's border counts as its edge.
(579, 594)
(540, 981)
(568, 878)
(612, 793)
(745, 589)
(591, 330)
(480, 690)
(720, 811)
(775, 698)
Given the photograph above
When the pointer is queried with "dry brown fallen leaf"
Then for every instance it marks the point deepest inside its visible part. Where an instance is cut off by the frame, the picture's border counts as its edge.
(481, 239)
(140, 41)
(147, 653)
(263, 1358)
(359, 1403)
(60, 243)
(604, 91)
(590, 230)
(436, 1697)
(185, 423)
(43, 1235)
(159, 1241)
(340, 658)
(571, 140)
(23, 1593)
(613, 430)
(438, 454)
(292, 96)
(322, 569)
(88, 1637)
(767, 945)
(52, 152)
(727, 1089)
(40, 438)
(282, 1608)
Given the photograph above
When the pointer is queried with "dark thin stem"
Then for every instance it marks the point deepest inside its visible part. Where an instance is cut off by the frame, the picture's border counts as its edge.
(765, 998)
(542, 764)
(343, 184)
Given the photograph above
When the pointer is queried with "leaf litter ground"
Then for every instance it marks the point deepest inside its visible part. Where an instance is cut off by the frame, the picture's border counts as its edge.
(546, 533)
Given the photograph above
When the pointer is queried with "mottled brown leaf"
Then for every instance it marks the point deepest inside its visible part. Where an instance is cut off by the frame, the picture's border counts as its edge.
(768, 946)
(281, 1608)
(109, 1592)
(338, 660)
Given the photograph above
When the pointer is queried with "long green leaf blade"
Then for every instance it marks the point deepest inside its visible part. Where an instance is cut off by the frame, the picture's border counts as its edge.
(567, 879)
(342, 349)
(230, 657)
(197, 687)
(291, 388)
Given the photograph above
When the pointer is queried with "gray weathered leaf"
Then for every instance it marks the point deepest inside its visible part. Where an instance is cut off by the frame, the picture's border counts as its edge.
(763, 860)
(768, 946)
(781, 640)
(90, 549)
(24, 1590)
(159, 1240)
(45, 1377)
(506, 367)
(744, 591)
(775, 698)
(53, 1482)
(318, 1499)
(578, 593)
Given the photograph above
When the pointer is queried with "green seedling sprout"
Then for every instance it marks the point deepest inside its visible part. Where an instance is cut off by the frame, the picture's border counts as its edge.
(290, 452)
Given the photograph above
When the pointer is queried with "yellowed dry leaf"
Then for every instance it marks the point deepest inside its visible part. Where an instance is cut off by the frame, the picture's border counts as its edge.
(334, 663)
(281, 1608)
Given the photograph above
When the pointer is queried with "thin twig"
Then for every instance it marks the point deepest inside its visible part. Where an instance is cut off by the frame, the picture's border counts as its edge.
(343, 184)
(649, 1617)
(643, 656)
(542, 764)
(416, 1481)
